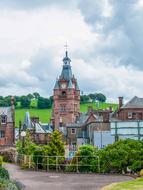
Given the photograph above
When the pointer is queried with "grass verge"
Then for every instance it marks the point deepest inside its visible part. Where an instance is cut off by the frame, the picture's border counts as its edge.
(136, 184)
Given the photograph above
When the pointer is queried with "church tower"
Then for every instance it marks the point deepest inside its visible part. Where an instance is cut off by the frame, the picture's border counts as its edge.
(66, 96)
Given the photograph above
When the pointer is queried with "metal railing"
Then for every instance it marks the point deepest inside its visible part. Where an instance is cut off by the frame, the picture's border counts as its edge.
(77, 164)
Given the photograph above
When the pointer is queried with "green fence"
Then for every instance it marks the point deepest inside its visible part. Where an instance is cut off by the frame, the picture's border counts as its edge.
(77, 164)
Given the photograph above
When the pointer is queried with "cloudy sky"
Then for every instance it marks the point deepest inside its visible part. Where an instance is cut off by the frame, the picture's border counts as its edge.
(105, 41)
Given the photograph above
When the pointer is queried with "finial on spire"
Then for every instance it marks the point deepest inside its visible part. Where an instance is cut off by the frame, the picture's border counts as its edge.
(66, 48)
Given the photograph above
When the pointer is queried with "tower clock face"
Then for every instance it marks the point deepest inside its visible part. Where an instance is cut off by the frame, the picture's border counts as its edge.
(63, 85)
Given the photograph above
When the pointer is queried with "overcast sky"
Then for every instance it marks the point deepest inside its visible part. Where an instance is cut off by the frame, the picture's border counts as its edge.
(105, 41)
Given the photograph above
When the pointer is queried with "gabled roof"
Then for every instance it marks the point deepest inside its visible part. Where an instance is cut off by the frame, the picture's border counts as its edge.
(39, 127)
(8, 112)
(135, 102)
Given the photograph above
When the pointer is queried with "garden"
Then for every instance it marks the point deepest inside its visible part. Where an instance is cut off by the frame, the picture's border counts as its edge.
(5, 182)
(124, 156)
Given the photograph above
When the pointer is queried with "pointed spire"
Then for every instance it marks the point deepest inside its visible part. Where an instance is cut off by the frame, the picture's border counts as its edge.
(56, 85)
(76, 86)
(66, 59)
(70, 86)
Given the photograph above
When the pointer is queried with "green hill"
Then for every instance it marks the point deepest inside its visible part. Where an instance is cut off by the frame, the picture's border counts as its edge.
(45, 114)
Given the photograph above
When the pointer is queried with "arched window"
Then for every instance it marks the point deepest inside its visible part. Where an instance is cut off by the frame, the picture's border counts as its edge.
(3, 119)
(63, 93)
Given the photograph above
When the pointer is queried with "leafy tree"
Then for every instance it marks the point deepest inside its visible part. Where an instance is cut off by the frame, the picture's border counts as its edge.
(51, 100)
(84, 99)
(121, 155)
(100, 97)
(56, 145)
(29, 146)
(36, 95)
(92, 97)
(30, 96)
(86, 158)
(25, 102)
(43, 103)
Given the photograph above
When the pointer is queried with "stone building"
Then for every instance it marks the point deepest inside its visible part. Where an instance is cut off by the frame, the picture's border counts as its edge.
(133, 110)
(78, 128)
(7, 125)
(40, 133)
(66, 96)
(87, 127)
(127, 121)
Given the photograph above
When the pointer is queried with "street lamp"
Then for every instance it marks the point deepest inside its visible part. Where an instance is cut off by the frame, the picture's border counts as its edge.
(23, 135)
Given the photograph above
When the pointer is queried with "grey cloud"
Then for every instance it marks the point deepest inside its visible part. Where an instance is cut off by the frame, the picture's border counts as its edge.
(31, 4)
(45, 69)
(121, 33)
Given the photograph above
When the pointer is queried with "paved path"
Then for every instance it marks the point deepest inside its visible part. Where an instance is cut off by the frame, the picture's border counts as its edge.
(57, 181)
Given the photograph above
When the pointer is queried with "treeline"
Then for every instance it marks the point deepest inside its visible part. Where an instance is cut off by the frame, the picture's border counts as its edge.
(28, 101)
(92, 98)
(35, 100)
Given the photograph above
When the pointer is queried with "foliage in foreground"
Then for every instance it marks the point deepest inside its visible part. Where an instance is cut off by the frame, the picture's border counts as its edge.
(6, 183)
(120, 157)
(86, 159)
(136, 184)
(39, 153)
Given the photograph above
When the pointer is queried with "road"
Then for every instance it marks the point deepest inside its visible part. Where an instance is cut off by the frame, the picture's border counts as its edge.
(35, 180)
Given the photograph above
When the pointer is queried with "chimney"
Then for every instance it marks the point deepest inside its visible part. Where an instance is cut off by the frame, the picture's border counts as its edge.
(110, 108)
(13, 117)
(120, 102)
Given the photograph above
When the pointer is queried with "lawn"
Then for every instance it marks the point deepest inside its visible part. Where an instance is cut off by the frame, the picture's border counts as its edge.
(136, 184)
(97, 105)
(45, 114)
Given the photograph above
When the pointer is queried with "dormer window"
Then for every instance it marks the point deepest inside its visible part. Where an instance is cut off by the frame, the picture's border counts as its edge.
(3, 119)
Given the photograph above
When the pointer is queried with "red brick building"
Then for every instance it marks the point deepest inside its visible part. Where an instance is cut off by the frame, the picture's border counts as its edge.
(66, 96)
(40, 133)
(7, 125)
(133, 110)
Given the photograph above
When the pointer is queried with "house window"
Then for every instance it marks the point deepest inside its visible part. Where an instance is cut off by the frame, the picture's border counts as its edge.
(3, 119)
(73, 131)
(130, 115)
(2, 134)
(62, 108)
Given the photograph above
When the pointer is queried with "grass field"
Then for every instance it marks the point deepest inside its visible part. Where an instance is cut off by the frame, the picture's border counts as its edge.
(45, 114)
(136, 184)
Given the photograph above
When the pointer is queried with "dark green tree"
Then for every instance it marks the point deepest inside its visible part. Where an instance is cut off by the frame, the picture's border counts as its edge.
(100, 97)
(25, 102)
(36, 95)
(43, 103)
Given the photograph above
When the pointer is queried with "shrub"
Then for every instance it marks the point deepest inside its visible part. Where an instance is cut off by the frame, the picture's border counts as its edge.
(1, 161)
(10, 186)
(4, 173)
(141, 173)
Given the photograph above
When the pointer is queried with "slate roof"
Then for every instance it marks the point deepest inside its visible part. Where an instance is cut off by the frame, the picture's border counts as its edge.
(66, 71)
(6, 111)
(56, 85)
(70, 86)
(76, 86)
(39, 127)
(135, 102)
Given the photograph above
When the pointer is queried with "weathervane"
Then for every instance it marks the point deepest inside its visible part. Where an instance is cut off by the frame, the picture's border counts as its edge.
(66, 46)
